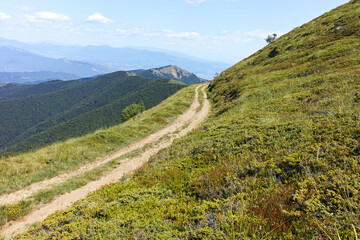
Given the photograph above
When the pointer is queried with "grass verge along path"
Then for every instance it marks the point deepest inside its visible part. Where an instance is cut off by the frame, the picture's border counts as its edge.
(191, 118)
(25, 177)
(20, 171)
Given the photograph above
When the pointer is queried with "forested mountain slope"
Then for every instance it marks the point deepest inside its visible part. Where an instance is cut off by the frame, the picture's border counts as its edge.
(277, 159)
(14, 90)
(44, 115)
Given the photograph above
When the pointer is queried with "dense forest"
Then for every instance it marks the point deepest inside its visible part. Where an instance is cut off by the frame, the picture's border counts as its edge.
(14, 90)
(36, 115)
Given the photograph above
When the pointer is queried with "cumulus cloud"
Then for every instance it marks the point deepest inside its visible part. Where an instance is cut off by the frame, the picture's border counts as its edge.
(195, 2)
(4, 16)
(51, 16)
(98, 18)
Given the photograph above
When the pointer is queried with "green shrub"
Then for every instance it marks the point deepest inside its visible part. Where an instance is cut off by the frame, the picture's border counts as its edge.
(131, 111)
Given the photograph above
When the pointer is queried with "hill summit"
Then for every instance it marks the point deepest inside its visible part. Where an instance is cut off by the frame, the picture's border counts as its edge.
(171, 72)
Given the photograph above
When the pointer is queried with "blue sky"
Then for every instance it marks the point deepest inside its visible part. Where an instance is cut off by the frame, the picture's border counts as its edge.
(223, 30)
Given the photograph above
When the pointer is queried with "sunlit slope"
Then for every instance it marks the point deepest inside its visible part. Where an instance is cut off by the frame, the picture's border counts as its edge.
(278, 158)
(20, 171)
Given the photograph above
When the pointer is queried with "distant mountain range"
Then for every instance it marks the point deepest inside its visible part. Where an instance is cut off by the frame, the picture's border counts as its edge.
(18, 60)
(170, 72)
(92, 60)
(34, 77)
(37, 115)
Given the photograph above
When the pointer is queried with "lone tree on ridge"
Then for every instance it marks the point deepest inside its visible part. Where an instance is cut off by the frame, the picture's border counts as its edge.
(271, 38)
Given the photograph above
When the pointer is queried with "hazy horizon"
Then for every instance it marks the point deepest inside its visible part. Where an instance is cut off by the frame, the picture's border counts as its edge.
(218, 30)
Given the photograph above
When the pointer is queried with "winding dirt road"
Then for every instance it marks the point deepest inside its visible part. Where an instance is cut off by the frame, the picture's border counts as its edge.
(180, 127)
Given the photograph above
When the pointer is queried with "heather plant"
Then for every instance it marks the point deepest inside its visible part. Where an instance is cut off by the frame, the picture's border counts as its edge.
(131, 111)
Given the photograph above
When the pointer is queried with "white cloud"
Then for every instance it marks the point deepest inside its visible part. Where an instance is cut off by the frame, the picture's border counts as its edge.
(27, 8)
(4, 16)
(195, 2)
(46, 22)
(185, 35)
(124, 32)
(98, 18)
(165, 33)
(133, 32)
(224, 37)
(51, 16)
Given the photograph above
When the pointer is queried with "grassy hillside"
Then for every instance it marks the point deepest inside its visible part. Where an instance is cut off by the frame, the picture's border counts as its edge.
(55, 111)
(277, 159)
(24, 169)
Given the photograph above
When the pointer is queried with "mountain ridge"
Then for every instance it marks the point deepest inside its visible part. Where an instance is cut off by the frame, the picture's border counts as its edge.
(171, 72)
(37, 115)
(18, 60)
(125, 58)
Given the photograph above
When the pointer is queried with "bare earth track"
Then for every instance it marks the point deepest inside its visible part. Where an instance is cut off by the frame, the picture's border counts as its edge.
(180, 127)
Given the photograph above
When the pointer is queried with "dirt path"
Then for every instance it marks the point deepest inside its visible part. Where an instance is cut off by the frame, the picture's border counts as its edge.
(22, 194)
(191, 118)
